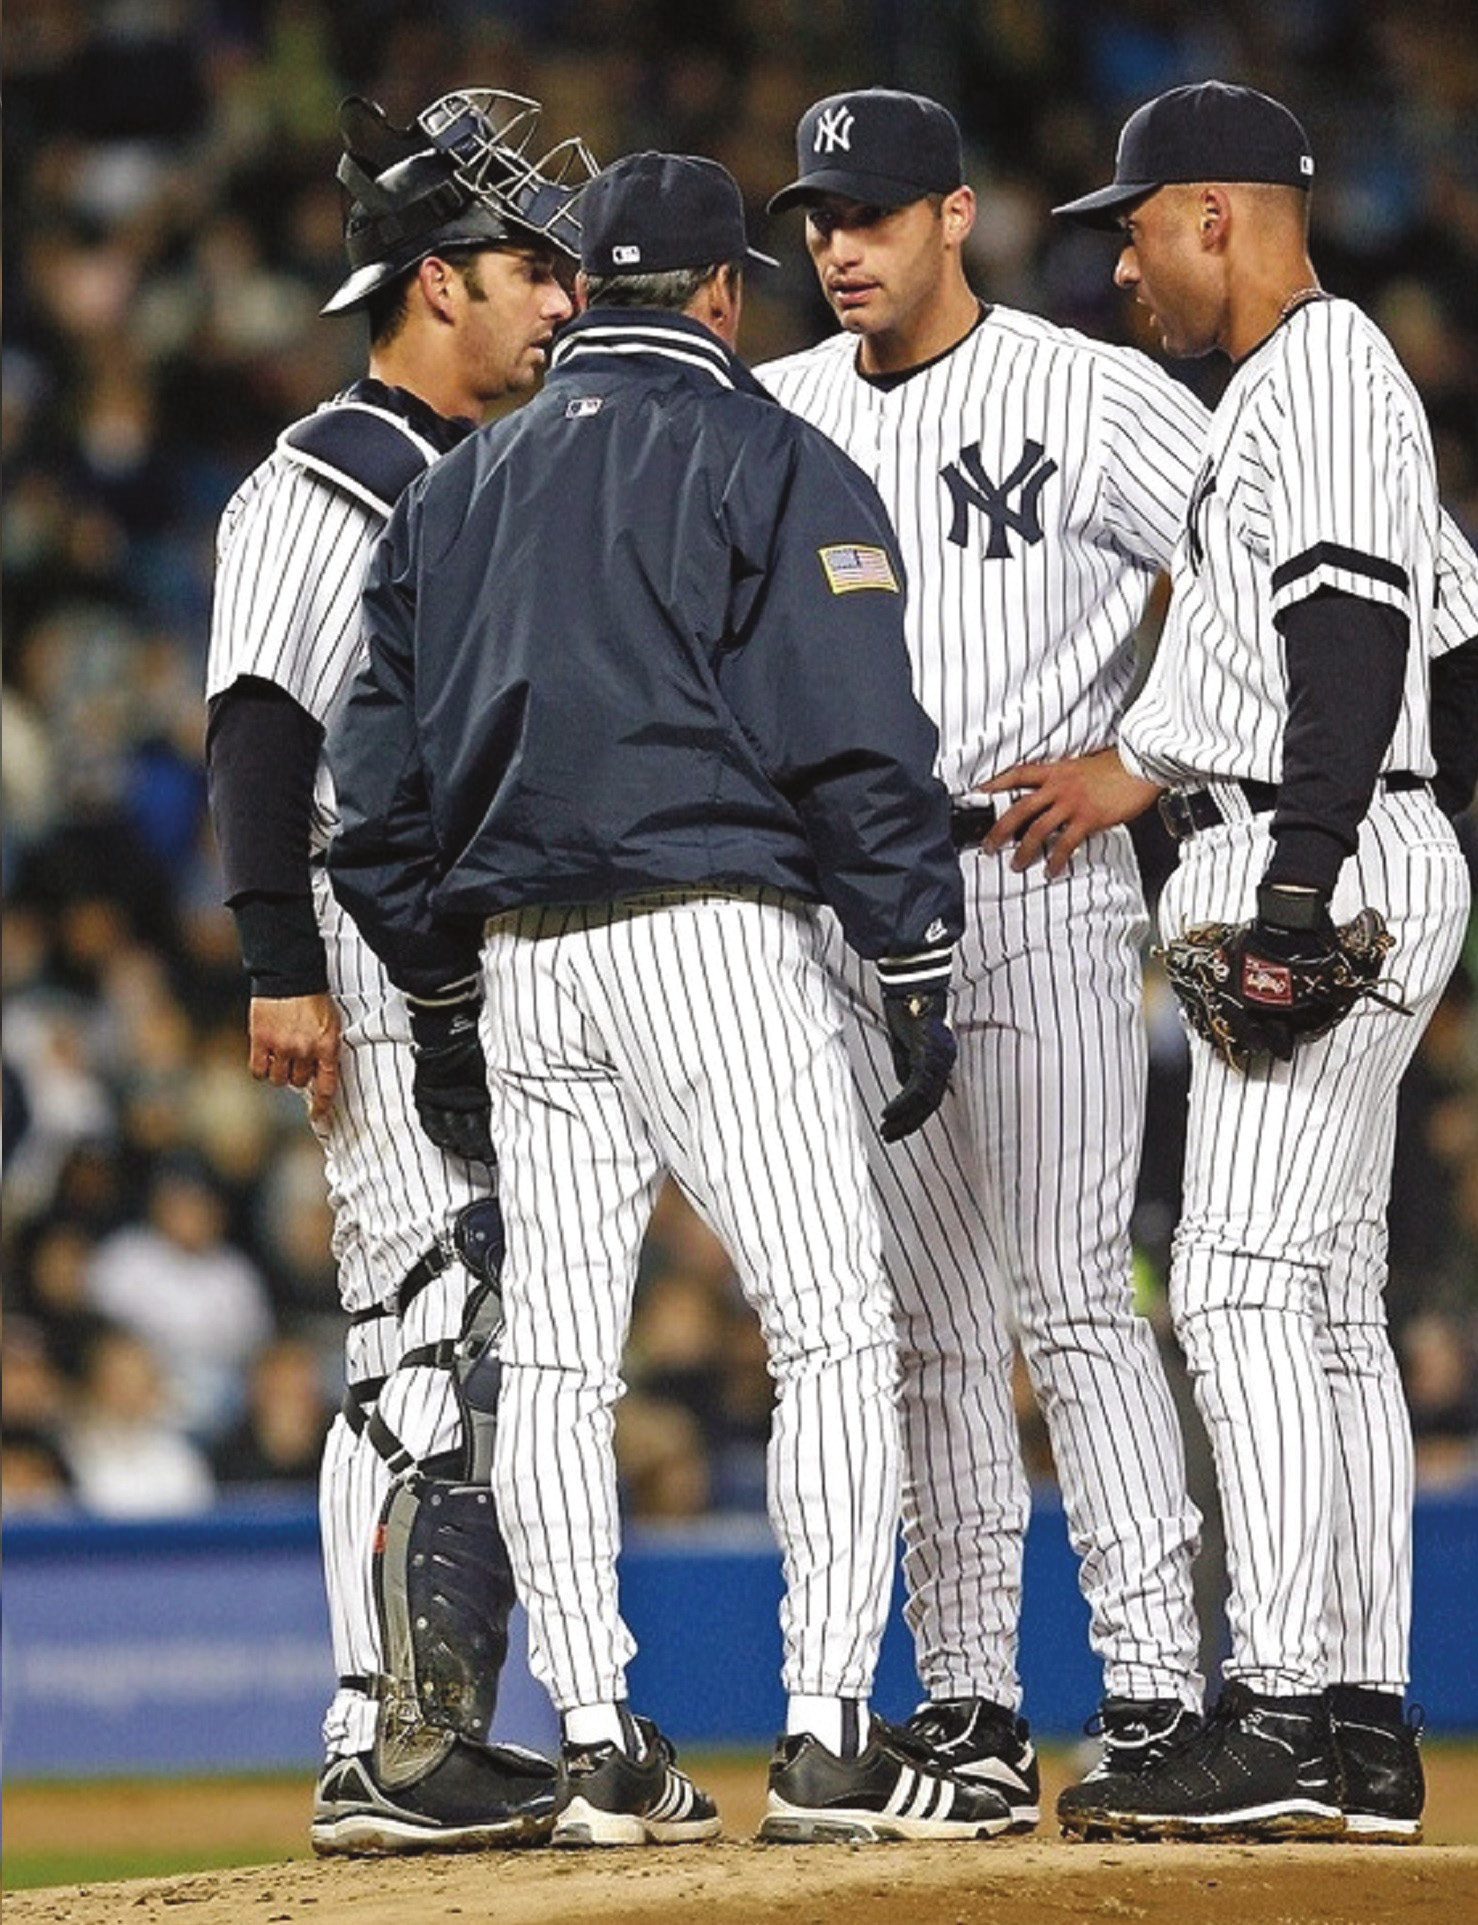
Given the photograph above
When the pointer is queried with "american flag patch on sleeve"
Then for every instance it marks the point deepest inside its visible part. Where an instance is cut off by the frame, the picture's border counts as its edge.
(852, 567)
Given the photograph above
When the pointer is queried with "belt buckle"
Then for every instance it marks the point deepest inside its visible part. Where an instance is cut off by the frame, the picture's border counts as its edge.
(1175, 813)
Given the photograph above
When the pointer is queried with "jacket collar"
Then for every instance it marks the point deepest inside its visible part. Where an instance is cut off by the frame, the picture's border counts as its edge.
(652, 334)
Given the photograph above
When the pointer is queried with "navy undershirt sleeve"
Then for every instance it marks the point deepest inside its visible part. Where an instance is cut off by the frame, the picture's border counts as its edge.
(261, 753)
(1346, 666)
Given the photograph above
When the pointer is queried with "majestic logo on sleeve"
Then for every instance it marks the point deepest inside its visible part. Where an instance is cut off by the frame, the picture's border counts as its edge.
(834, 130)
(1201, 493)
(858, 567)
(973, 488)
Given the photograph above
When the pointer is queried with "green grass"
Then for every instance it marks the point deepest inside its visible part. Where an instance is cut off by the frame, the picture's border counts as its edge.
(27, 1869)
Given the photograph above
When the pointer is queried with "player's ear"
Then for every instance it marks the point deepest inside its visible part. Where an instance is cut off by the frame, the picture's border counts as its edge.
(957, 211)
(435, 276)
(582, 291)
(1214, 216)
(726, 300)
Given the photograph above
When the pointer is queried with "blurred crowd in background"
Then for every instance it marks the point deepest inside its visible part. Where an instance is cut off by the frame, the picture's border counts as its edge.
(172, 224)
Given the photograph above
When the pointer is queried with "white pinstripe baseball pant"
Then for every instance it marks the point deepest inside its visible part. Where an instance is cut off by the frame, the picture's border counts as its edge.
(696, 1034)
(1279, 1265)
(394, 1195)
(1007, 1216)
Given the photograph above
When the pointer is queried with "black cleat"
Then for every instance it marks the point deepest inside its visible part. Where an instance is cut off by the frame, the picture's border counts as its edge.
(608, 1798)
(474, 1796)
(1382, 1785)
(1259, 1767)
(986, 1744)
(893, 1789)
(1136, 1733)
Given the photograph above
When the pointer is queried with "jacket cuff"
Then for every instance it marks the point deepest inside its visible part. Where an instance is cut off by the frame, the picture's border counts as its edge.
(924, 973)
(447, 995)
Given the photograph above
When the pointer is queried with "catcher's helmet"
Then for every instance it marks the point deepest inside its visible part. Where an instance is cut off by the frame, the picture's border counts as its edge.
(460, 177)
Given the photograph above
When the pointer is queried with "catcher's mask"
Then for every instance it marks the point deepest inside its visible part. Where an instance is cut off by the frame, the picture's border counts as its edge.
(461, 176)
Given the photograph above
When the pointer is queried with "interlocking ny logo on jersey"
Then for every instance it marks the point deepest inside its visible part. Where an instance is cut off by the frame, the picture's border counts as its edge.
(834, 130)
(975, 489)
(857, 567)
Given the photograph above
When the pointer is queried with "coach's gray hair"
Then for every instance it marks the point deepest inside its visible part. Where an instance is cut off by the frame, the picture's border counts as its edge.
(673, 289)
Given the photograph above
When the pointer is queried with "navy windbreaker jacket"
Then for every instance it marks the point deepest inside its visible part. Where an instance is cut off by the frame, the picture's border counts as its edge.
(646, 632)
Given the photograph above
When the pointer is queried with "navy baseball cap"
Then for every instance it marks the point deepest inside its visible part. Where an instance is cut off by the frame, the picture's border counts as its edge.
(649, 213)
(1206, 133)
(876, 146)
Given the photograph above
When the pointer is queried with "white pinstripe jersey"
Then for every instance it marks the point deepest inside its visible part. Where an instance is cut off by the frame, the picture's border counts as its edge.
(1037, 481)
(1456, 619)
(292, 549)
(1318, 473)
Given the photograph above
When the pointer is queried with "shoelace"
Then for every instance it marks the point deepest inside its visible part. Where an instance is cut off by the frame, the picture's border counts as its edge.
(1136, 1730)
(910, 1744)
(930, 1728)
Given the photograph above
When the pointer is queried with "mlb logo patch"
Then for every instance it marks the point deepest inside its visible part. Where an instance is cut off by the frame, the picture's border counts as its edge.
(852, 567)
(582, 405)
(626, 256)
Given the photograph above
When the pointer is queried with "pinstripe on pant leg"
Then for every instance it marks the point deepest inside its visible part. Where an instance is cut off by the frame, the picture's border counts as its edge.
(965, 1499)
(578, 1179)
(394, 1195)
(755, 1113)
(713, 1016)
(1367, 1617)
(419, 1404)
(1279, 1262)
(1011, 1210)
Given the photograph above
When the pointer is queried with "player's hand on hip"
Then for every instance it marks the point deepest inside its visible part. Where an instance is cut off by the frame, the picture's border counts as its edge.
(450, 1081)
(924, 1051)
(1065, 802)
(294, 1041)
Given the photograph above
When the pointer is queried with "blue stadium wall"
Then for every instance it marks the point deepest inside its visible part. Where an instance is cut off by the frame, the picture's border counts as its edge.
(202, 1646)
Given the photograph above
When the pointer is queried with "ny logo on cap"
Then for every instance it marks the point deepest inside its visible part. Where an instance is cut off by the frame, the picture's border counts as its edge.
(834, 129)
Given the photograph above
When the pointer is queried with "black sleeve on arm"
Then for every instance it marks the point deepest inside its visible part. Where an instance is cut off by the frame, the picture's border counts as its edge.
(280, 945)
(1346, 668)
(261, 756)
(1455, 725)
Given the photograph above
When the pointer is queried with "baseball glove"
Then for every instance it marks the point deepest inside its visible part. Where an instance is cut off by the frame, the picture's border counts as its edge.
(1252, 990)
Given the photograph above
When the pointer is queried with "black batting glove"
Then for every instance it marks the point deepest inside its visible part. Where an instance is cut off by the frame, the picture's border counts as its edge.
(924, 1051)
(1291, 934)
(915, 1002)
(450, 1081)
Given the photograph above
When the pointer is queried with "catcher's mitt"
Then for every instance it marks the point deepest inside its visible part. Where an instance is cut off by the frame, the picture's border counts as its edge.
(1249, 996)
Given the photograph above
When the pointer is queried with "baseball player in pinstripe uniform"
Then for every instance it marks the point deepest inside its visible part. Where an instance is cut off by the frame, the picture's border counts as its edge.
(453, 234)
(634, 780)
(1287, 716)
(1036, 480)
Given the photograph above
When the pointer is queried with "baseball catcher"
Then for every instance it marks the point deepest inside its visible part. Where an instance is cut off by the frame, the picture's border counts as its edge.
(1286, 976)
(454, 234)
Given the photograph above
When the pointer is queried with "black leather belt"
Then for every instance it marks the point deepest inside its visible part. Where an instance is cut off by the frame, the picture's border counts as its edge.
(969, 826)
(1184, 811)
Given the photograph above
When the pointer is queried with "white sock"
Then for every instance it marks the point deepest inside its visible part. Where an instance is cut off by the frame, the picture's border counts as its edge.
(596, 1724)
(841, 1724)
